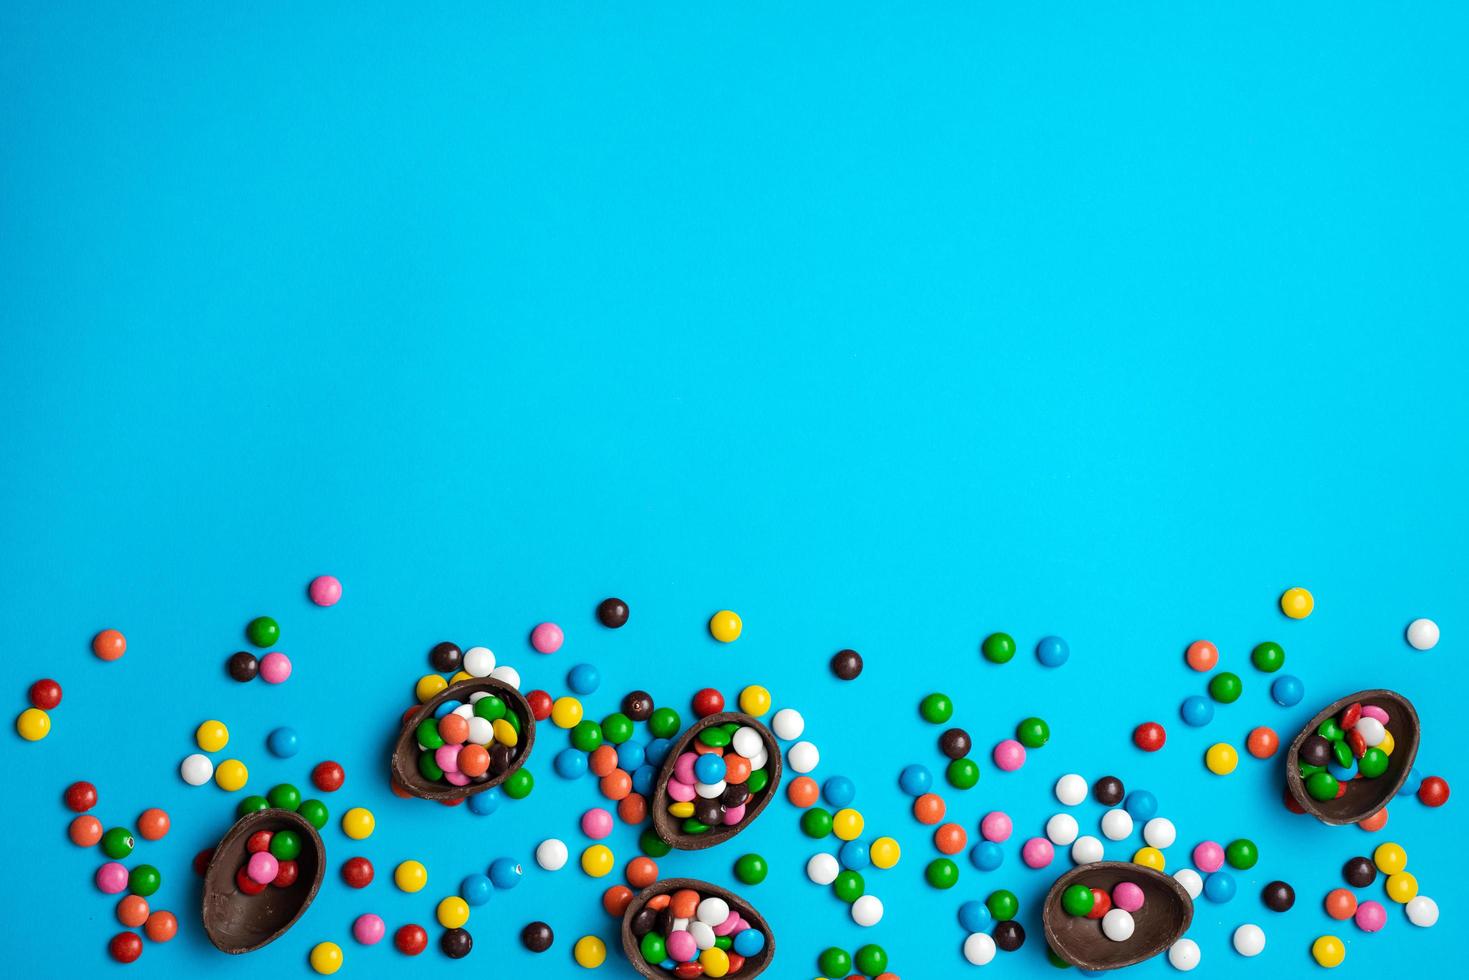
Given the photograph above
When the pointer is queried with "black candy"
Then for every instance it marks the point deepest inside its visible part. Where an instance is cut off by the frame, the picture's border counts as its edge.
(242, 666)
(612, 613)
(446, 657)
(1278, 896)
(1009, 935)
(1359, 872)
(638, 705)
(537, 937)
(1108, 791)
(456, 943)
(642, 923)
(1315, 751)
(955, 743)
(846, 664)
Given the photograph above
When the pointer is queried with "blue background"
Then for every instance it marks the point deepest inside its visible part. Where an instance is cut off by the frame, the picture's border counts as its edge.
(885, 328)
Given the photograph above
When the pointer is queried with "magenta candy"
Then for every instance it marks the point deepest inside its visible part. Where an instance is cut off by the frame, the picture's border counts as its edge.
(275, 667)
(111, 878)
(680, 791)
(733, 815)
(681, 946)
(263, 868)
(1371, 916)
(1009, 755)
(596, 823)
(1037, 852)
(368, 929)
(447, 756)
(996, 826)
(546, 638)
(325, 590)
(456, 779)
(683, 768)
(1208, 857)
(729, 925)
(1373, 711)
(1127, 896)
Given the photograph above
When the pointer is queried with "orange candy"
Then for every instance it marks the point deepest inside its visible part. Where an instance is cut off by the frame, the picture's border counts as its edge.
(684, 903)
(602, 760)
(161, 926)
(1375, 822)
(929, 808)
(1202, 655)
(1262, 742)
(615, 900)
(736, 768)
(153, 824)
(109, 644)
(453, 729)
(659, 902)
(616, 785)
(701, 749)
(803, 791)
(474, 760)
(950, 838)
(85, 830)
(641, 872)
(398, 790)
(632, 808)
(1341, 903)
(132, 911)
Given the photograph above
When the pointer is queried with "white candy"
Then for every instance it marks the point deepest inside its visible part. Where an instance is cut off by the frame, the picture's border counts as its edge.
(1159, 832)
(703, 934)
(1062, 829)
(474, 698)
(867, 910)
(787, 724)
(1249, 940)
(1184, 955)
(1371, 730)
(506, 674)
(1117, 925)
(1116, 824)
(1071, 789)
(979, 948)
(196, 769)
(478, 661)
(1086, 850)
(1422, 634)
(465, 711)
(1422, 910)
(679, 925)
(803, 757)
(713, 911)
(481, 730)
(1191, 881)
(551, 854)
(709, 790)
(823, 869)
(759, 759)
(747, 742)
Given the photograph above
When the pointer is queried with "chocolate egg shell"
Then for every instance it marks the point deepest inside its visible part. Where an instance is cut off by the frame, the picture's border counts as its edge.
(1164, 918)
(754, 965)
(405, 751)
(1363, 797)
(670, 828)
(240, 923)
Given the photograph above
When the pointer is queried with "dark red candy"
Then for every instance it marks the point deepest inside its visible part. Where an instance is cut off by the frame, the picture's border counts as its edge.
(1356, 743)
(708, 702)
(410, 939)
(80, 796)
(454, 802)
(258, 841)
(328, 776)
(540, 704)
(1433, 791)
(1350, 715)
(357, 872)
(201, 861)
(1149, 736)
(125, 947)
(245, 884)
(1341, 788)
(687, 971)
(45, 694)
(1292, 804)
(286, 876)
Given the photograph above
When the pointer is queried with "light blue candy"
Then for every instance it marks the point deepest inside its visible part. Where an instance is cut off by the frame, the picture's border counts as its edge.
(447, 708)
(476, 889)
(643, 778)
(974, 917)
(839, 791)
(486, 803)
(571, 763)
(505, 872)
(1052, 651)
(1219, 887)
(709, 768)
(1342, 773)
(986, 855)
(748, 942)
(283, 743)
(1287, 690)
(853, 855)
(630, 755)
(657, 751)
(583, 679)
(1196, 711)
(1142, 805)
(915, 779)
(1410, 785)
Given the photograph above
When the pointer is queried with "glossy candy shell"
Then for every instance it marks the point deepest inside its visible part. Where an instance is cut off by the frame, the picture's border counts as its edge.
(405, 770)
(1164, 917)
(1364, 797)
(668, 827)
(238, 923)
(754, 965)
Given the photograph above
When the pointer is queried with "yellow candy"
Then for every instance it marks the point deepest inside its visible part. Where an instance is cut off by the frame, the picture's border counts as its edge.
(884, 853)
(1386, 745)
(33, 724)
(231, 775)
(1297, 603)
(1221, 758)
(725, 626)
(462, 675)
(1328, 951)
(597, 861)
(1390, 858)
(681, 810)
(1402, 887)
(453, 912)
(410, 876)
(846, 823)
(212, 736)
(754, 700)
(1150, 857)
(566, 713)
(428, 685)
(715, 962)
(358, 823)
(504, 732)
(589, 952)
(326, 958)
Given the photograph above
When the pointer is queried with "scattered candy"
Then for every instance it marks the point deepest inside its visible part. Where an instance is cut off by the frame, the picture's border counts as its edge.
(1422, 634)
(1071, 789)
(1184, 955)
(1052, 651)
(846, 664)
(1278, 896)
(1328, 951)
(1249, 940)
(111, 644)
(1149, 736)
(725, 626)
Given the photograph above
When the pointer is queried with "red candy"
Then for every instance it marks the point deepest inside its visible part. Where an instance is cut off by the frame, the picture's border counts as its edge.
(1101, 904)
(1149, 736)
(1356, 743)
(357, 872)
(328, 777)
(286, 874)
(1433, 791)
(410, 940)
(45, 694)
(540, 705)
(1292, 804)
(687, 971)
(708, 702)
(258, 841)
(201, 861)
(1350, 716)
(126, 947)
(244, 883)
(80, 796)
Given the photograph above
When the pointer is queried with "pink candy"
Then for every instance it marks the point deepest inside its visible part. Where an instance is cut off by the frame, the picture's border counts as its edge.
(680, 791)
(734, 814)
(447, 757)
(275, 667)
(368, 929)
(1127, 896)
(596, 823)
(456, 779)
(111, 878)
(683, 768)
(680, 946)
(263, 868)
(729, 925)
(1037, 852)
(546, 638)
(1208, 857)
(1373, 711)
(1009, 755)
(325, 590)
(996, 826)
(1371, 916)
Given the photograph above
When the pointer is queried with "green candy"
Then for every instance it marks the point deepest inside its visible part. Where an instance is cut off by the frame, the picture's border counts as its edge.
(871, 960)
(716, 738)
(751, 869)
(117, 843)
(848, 886)
(1331, 730)
(1268, 657)
(723, 942)
(428, 767)
(252, 804)
(513, 720)
(1003, 905)
(816, 822)
(428, 734)
(834, 962)
(936, 708)
(284, 797)
(144, 880)
(263, 631)
(692, 826)
(757, 781)
(286, 845)
(1033, 733)
(963, 773)
(1373, 762)
(315, 813)
(616, 728)
(490, 708)
(1242, 854)
(1308, 771)
(653, 948)
(1078, 900)
(942, 873)
(652, 845)
(520, 783)
(998, 648)
(1225, 687)
(1321, 786)
(587, 736)
(1056, 960)
(664, 723)
(1342, 753)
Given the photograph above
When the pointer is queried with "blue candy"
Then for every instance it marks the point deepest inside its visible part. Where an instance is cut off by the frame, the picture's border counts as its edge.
(1142, 805)
(986, 855)
(1410, 785)
(839, 791)
(476, 889)
(1342, 773)
(853, 855)
(630, 755)
(583, 679)
(505, 872)
(1219, 887)
(1052, 651)
(748, 942)
(283, 743)
(1287, 690)
(447, 708)
(974, 917)
(571, 763)
(709, 769)
(642, 780)
(657, 751)
(915, 779)
(486, 803)
(1196, 711)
